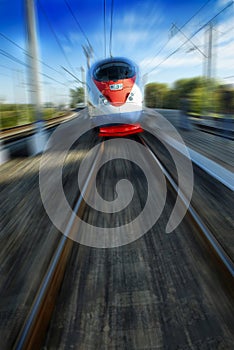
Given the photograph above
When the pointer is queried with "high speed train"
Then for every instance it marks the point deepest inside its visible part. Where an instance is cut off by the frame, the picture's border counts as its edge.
(114, 97)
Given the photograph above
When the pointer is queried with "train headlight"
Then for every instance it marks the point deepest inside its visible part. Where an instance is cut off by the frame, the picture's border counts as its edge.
(103, 100)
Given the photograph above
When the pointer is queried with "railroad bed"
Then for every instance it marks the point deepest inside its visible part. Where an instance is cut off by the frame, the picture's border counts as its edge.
(163, 291)
(214, 147)
(18, 132)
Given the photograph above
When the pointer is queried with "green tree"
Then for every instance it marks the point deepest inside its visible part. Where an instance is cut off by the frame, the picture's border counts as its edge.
(185, 87)
(205, 96)
(77, 96)
(199, 100)
(156, 95)
(172, 99)
(225, 99)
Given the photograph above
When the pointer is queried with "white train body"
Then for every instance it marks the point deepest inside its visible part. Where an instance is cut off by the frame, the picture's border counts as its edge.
(115, 97)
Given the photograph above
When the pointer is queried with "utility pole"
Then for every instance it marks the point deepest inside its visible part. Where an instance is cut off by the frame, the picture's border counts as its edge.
(84, 84)
(33, 74)
(88, 51)
(38, 140)
(174, 30)
(209, 63)
(210, 52)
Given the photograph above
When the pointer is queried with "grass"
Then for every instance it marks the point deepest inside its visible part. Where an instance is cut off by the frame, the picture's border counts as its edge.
(209, 114)
(17, 115)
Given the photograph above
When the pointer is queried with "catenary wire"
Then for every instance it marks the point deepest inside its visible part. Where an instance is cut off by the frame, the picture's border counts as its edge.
(111, 27)
(26, 53)
(104, 15)
(189, 20)
(15, 59)
(197, 31)
(78, 23)
(56, 36)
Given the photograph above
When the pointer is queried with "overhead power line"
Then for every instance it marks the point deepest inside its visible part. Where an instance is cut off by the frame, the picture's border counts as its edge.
(14, 43)
(104, 15)
(47, 76)
(189, 20)
(48, 66)
(12, 58)
(78, 23)
(194, 15)
(15, 59)
(66, 70)
(55, 36)
(197, 31)
(196, 47)
(26, 53)
(111, 27)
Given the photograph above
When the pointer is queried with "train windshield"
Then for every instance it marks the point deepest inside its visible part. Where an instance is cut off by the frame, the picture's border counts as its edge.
(114, 71)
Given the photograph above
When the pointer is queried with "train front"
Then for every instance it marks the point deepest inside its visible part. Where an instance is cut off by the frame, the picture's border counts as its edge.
(115, 97)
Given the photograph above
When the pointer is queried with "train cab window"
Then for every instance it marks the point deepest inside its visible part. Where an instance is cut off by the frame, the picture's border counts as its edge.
(114, 71)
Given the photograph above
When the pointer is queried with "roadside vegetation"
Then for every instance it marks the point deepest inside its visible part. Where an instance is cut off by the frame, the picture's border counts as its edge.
(12, 115)
(76, 96)
(205, 97)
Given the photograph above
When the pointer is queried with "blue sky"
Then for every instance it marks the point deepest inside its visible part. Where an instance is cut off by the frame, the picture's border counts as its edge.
(141, 31)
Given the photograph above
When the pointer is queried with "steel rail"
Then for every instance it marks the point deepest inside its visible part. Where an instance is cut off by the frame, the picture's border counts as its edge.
(211, 239)
(41, 311)
(22, 131)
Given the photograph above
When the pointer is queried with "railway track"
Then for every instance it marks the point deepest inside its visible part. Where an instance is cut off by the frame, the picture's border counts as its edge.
(34, 328)
(19, 132)
(222, 256)
(215, 130)
(33, 333)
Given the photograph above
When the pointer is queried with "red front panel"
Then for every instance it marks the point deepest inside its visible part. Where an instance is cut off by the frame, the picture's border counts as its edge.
(116, 92)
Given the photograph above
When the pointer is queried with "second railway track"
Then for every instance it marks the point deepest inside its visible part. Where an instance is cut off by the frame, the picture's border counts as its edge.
(221, 254)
